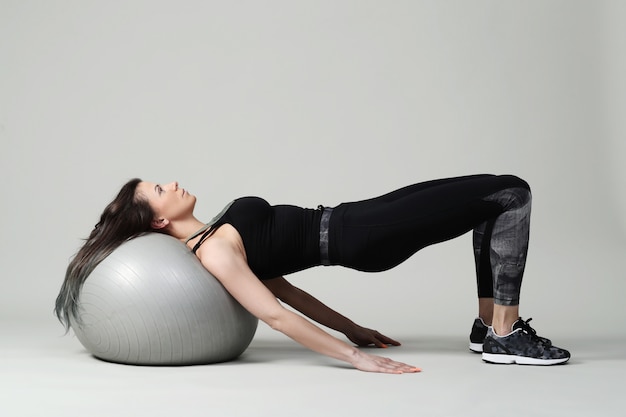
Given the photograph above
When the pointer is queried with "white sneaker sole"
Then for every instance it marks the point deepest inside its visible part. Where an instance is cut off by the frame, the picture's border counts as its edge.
(476, 347)
(520, 360)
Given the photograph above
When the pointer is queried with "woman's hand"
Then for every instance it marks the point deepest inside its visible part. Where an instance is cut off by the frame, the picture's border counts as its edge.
(372, 363)
(362, 336)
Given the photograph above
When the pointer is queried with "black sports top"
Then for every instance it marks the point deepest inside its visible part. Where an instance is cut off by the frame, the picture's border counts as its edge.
(278, 239)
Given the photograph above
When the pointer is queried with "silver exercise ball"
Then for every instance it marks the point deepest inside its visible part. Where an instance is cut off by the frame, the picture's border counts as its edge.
(151, 302)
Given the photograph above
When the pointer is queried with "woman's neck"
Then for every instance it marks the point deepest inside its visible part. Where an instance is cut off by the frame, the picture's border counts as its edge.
(183, 229)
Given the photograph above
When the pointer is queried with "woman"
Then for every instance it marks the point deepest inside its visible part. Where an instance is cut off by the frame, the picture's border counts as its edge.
(251, 245)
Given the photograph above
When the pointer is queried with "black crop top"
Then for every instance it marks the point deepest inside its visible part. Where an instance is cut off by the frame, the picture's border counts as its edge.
(278, 239)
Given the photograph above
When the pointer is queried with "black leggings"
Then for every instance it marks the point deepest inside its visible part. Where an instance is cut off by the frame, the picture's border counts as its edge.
(380, 233)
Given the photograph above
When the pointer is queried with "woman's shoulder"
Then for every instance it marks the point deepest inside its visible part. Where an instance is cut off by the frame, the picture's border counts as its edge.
(225, 239)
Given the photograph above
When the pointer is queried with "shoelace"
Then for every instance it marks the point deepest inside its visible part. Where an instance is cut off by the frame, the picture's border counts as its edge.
(532, 332)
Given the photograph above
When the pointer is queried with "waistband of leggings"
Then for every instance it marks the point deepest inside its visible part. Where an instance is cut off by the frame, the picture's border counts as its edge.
(324, 223)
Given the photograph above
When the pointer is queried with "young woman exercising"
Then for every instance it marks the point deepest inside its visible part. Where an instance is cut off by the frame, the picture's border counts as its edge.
(251, 245)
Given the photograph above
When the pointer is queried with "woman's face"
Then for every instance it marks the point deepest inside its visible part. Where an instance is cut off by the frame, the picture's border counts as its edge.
(168, 201)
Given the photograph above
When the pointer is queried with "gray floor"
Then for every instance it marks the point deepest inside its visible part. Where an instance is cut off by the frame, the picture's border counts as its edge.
(43, 374)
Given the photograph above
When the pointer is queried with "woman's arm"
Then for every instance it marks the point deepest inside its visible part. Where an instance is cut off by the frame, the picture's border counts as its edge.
(225, 259)
(319, 312)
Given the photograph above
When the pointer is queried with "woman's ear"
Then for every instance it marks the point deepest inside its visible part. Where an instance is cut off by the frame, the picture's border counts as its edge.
(159, 223)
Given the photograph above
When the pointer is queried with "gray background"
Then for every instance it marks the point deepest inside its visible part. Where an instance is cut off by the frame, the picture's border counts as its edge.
(316, 103)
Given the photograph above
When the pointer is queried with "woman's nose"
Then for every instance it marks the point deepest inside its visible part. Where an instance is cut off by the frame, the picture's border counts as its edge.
(174, 185)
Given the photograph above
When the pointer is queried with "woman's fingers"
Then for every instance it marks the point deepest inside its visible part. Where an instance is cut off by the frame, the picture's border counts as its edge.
(373, 363)
(383, 341)
(367, 337)
(398, 367)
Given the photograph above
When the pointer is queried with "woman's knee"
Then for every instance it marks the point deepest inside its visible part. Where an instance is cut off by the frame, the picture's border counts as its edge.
(514, 193)
(513, 181)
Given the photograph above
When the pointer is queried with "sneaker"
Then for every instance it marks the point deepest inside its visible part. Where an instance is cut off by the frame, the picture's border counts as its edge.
(522, 346)
(479, 332)
(477, 336)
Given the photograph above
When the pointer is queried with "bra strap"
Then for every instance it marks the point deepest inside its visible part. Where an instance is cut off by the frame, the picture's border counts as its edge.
(197, 233)
(202, 239)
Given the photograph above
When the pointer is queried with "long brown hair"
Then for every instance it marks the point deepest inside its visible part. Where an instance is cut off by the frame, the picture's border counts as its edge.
(126, 217)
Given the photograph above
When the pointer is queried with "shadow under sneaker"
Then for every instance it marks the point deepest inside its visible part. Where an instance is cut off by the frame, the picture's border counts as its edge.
(522, 346)
(477, 336)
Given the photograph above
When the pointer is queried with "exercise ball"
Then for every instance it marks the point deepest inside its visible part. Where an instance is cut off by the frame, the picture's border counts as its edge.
(151, 302)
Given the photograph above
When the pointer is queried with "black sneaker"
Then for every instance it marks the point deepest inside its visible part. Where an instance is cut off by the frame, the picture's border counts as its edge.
(522, 346)
(477, 336)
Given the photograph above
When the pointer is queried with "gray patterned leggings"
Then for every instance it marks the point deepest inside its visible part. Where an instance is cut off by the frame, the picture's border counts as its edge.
(380, 233)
